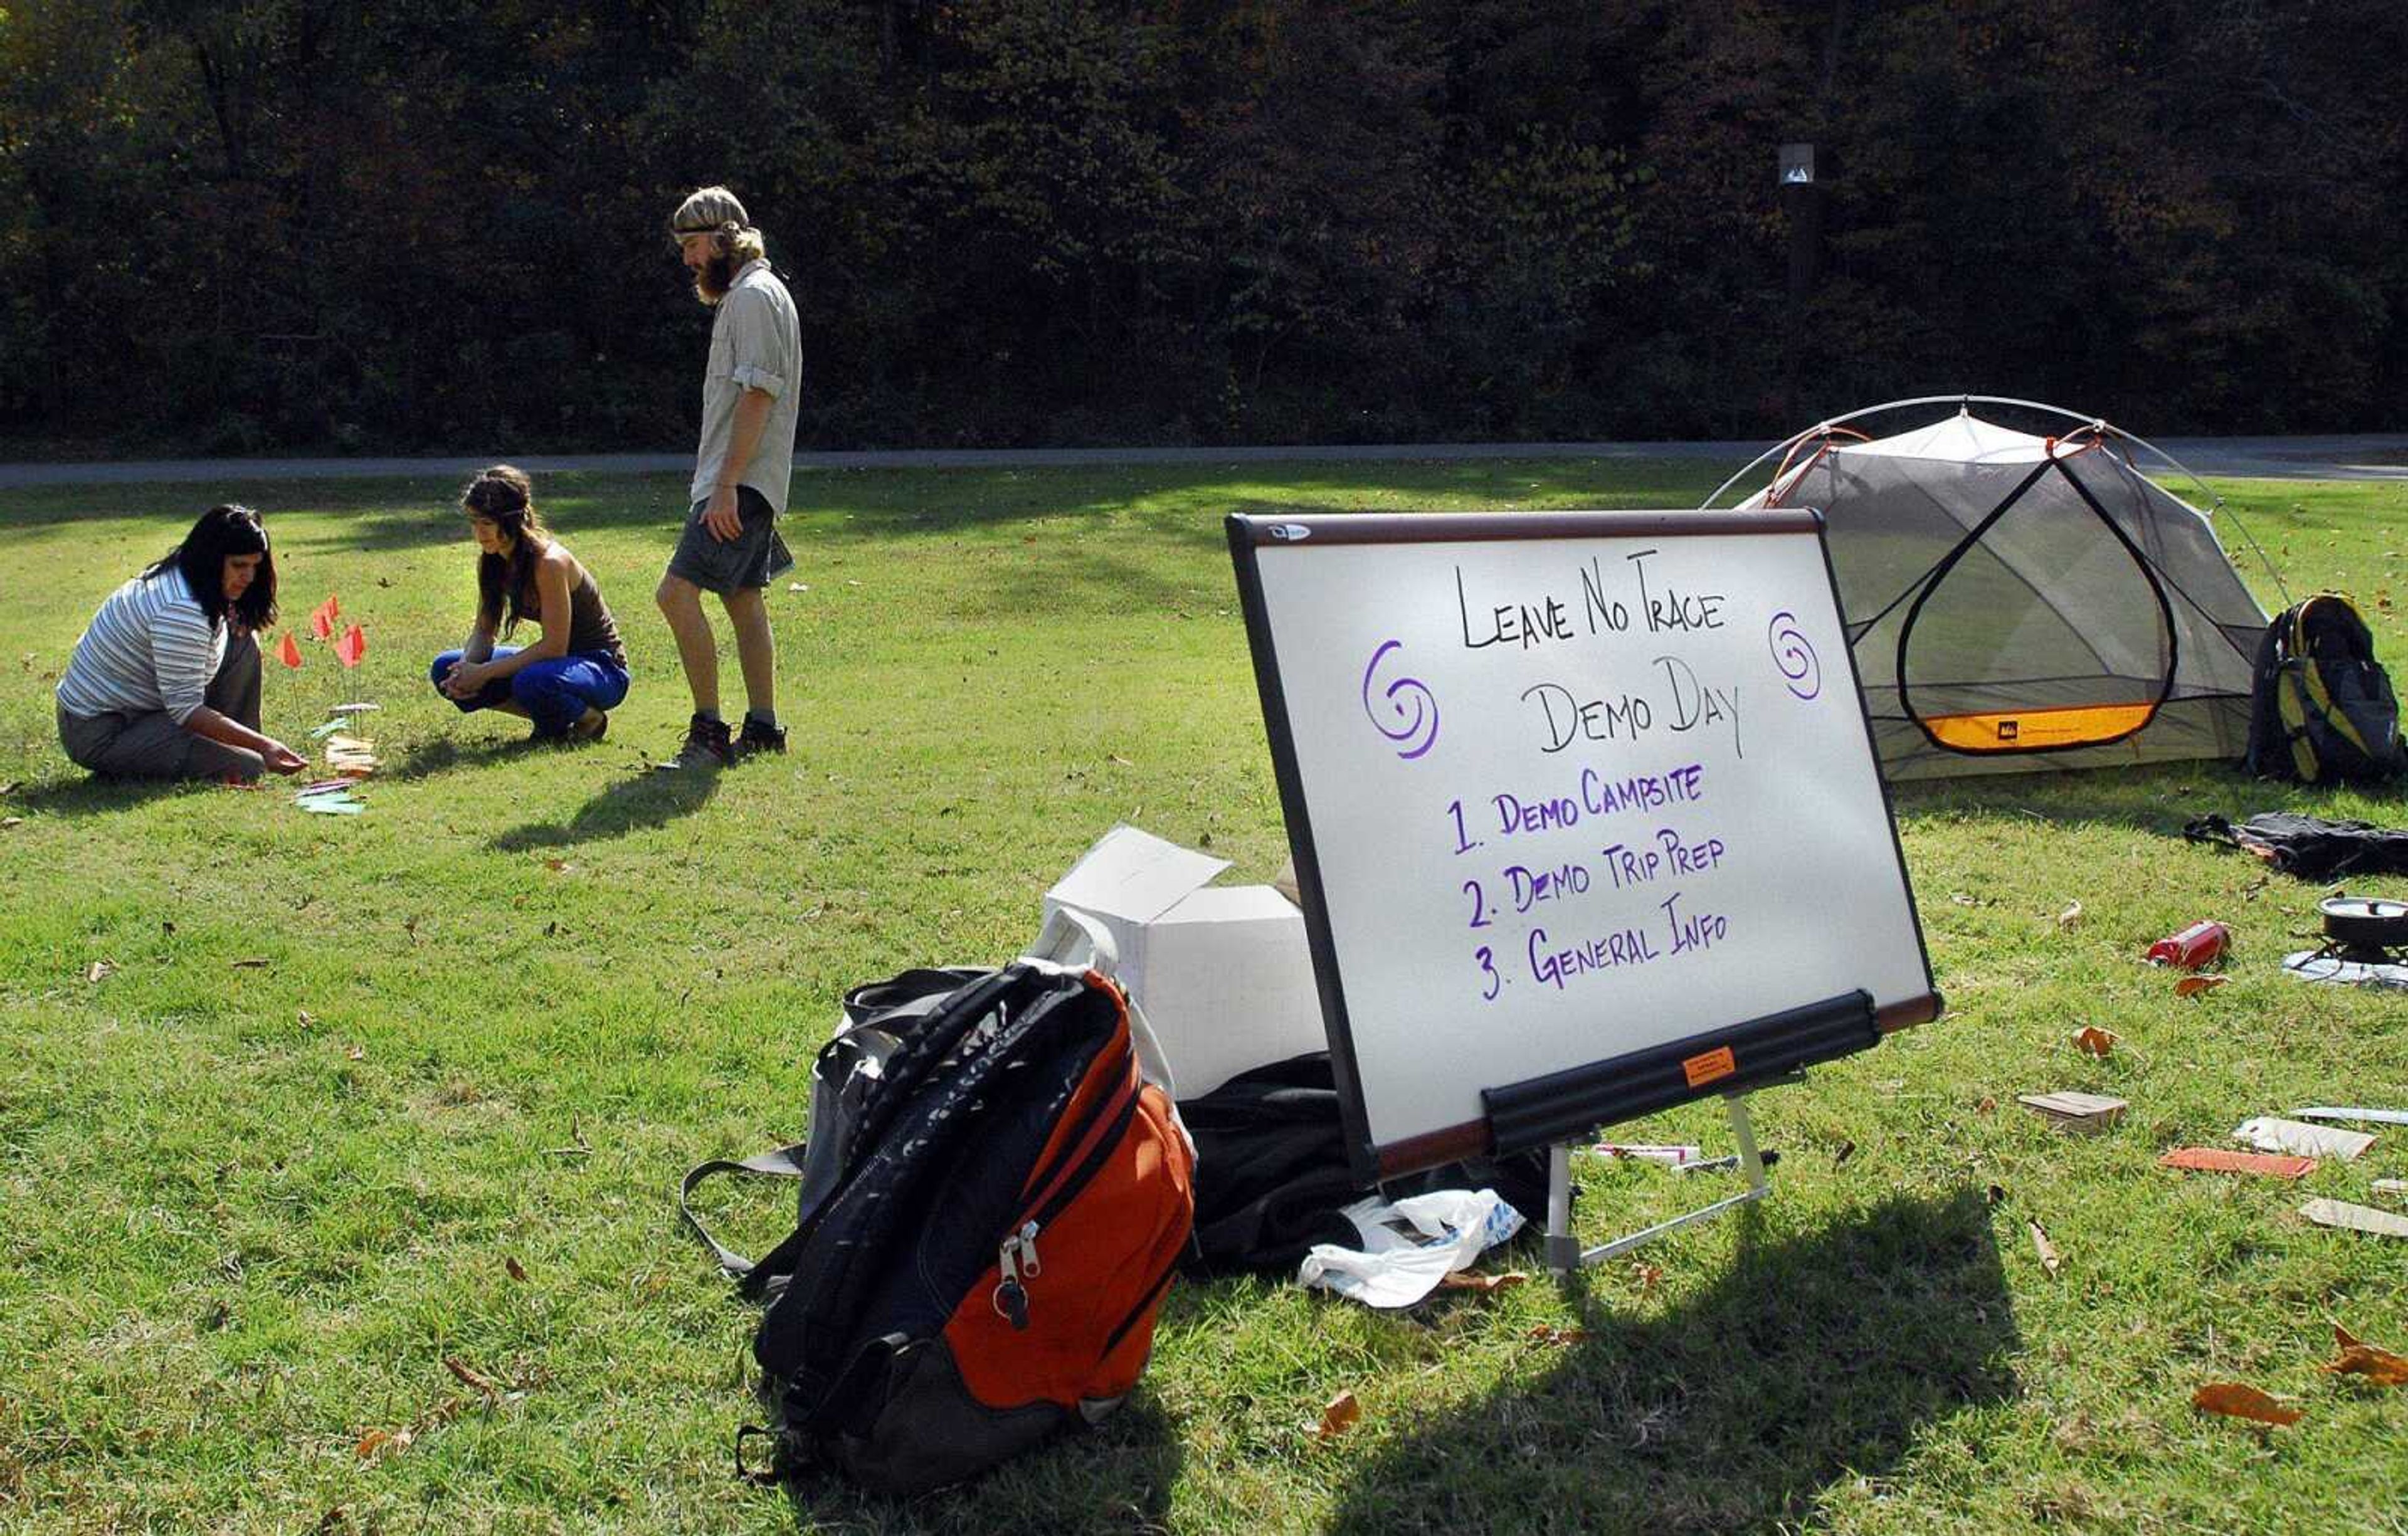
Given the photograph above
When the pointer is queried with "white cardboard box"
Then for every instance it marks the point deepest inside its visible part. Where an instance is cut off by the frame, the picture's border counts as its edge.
(1223, 972)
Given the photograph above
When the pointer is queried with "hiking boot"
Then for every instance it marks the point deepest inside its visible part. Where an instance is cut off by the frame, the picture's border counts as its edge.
(707, 746)
(759, 738)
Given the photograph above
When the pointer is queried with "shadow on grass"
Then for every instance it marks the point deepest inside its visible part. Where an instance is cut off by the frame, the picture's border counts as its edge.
(1817, 1358)
(77, 793)
(643, 800)
(1117, 1477)
(442, 754)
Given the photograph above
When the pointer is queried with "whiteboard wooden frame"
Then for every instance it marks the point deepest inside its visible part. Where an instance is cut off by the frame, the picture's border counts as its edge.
(1585, 1095)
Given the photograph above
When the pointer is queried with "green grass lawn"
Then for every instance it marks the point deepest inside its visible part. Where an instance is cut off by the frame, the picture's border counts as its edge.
(360, 1096)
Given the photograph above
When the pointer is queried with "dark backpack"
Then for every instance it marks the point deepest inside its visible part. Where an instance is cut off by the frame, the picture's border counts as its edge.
(993, 1201)
(1271, 1173)
(2307, 846)
(2322, 710)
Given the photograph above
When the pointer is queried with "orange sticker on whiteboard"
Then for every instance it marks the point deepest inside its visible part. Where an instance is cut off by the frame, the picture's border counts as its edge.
(1702, 1069)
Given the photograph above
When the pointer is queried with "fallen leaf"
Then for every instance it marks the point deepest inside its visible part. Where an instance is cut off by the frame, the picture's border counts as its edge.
(1466, 1280)
(515, 1270)
(252, 962)
(166, 929)
(9, 821)
(1961, 899)
(2360, 1358)
(470, 1377)
(1847, 1150)
(1343, 1413)
(1548, 1333)
(1649, 1277)
(302, 1016)
(1987, 1104)
(11, 787)
(378, 1443)
(558, 866)
(2092, 1041)
(2070, 917)
(1122, 761)
(99, 970)
(2193, 985)
(2049, 1258)
(357, 1054)
(2235, 1400)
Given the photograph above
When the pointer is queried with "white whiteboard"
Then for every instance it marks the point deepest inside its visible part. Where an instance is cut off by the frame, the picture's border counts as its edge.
(1566, 786)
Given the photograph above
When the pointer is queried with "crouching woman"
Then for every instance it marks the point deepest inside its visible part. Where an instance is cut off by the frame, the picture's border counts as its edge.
(567, 682)
(164, 683)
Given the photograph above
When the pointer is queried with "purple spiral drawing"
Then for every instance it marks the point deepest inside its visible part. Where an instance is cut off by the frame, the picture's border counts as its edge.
(1794, 654)
(1410, 715)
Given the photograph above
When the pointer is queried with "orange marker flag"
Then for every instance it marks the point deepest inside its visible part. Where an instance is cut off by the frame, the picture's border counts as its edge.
(351, 646)
(321, 622)
(290, 652)
(334, 609)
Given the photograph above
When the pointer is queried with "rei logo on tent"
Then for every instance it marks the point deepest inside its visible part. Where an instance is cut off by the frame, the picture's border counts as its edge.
(2009, 596)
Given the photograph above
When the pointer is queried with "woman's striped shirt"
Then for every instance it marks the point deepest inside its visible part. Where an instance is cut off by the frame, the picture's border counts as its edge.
(150, 648)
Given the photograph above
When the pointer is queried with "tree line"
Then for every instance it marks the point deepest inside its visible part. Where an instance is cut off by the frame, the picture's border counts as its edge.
(307, 224)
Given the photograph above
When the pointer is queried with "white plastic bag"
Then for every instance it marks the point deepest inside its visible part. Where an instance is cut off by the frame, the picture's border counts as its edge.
(1410, 1246)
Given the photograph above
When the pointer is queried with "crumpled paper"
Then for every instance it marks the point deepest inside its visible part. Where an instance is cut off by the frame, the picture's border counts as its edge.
(2270, 1133)
(1410, 1246)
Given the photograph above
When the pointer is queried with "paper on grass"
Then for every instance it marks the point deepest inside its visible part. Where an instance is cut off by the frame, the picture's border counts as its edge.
(2357, 1218)
(2270, 1133)
(328, 729)
(2218, 1160)
(2369, 1117)
(329, 805)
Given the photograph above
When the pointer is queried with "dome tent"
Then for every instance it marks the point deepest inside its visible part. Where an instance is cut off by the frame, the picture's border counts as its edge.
(2018, 601)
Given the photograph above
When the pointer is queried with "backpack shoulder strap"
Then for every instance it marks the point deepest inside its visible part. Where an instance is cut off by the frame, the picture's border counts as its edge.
(786, 1163)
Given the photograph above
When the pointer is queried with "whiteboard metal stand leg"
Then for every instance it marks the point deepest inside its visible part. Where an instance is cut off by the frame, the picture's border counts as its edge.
(1563, 1250)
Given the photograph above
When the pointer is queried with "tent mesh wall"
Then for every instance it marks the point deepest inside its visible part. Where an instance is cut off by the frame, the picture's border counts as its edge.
(2017, 604)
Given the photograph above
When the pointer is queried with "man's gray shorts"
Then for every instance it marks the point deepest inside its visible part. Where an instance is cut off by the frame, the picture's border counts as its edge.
(752, 559)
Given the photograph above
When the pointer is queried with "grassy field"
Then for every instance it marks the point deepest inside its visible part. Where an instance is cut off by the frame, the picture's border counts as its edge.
(353, 1098)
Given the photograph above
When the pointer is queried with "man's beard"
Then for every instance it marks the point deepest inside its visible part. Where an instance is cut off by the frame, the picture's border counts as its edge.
(711, 284)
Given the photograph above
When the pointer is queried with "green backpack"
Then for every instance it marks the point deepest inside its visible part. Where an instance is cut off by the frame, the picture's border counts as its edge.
(2323, 710)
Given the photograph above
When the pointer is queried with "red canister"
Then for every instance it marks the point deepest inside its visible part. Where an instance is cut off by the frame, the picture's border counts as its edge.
(2194, 946)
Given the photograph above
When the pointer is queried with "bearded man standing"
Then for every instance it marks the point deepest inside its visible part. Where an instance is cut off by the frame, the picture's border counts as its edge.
(730, 546)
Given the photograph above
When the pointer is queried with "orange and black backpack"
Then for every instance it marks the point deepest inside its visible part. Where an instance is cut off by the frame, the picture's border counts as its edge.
(2322, 710)
(993, 1201)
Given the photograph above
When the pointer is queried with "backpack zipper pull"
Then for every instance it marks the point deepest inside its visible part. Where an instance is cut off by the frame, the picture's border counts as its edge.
(1028, 1264)
(1011, 1300)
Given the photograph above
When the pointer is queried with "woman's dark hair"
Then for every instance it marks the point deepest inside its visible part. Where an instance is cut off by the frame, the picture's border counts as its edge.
(504, 497)
(225, 531)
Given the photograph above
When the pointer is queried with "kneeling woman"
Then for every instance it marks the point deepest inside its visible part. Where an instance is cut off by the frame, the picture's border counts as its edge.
(567, 682)
(165, 682)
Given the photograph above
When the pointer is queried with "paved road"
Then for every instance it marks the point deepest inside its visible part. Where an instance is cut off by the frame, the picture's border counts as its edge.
(2371, 457)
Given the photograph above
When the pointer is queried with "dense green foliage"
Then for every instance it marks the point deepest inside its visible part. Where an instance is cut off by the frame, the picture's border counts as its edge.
(363, 1097)
(243, 224)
